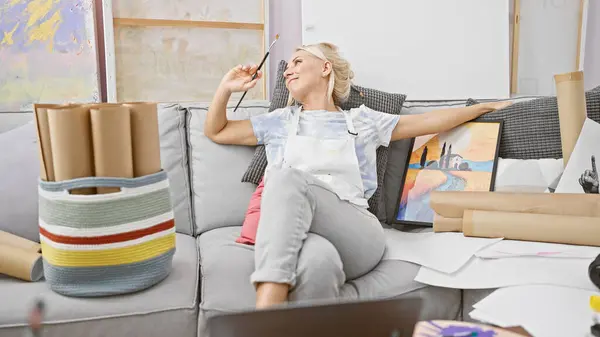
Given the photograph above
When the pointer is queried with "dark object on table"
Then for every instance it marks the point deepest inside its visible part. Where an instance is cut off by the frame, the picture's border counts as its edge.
(594, 272)
(595, 330)
(384, 318)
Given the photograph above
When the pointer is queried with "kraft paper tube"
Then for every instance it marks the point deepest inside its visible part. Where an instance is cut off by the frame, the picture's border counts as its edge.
(443, 224)
(451, 204)
(8, 239)
(72, 153)
(111, 138)
(43, 138)
(572, 112)
(19, 263)
(576, 230)
(145, 138)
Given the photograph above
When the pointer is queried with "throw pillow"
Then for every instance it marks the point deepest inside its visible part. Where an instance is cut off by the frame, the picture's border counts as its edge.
(531, 128)
(250, 225)
(372, 98)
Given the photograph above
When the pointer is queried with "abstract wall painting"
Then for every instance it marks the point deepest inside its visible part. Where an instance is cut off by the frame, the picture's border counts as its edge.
(48, 53)
(462, 159)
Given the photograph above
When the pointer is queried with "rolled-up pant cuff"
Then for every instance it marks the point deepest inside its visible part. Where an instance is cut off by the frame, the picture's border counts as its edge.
(273, 276)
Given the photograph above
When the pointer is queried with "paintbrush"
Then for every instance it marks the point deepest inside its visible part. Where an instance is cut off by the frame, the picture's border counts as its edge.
(258, 69)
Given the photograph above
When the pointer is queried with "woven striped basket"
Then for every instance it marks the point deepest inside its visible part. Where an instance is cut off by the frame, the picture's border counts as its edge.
(106, 244)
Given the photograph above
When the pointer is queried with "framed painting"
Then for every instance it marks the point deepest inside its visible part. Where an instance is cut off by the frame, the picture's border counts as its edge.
(462, 159)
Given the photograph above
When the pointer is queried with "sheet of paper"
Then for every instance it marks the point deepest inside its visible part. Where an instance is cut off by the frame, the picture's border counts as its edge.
(513, 248)
(581, 172)
(496, 273)
(444, 252)
(543, 310)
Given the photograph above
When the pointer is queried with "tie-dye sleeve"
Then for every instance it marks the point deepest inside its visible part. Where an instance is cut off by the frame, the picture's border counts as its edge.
(384, 124)
(267, 125)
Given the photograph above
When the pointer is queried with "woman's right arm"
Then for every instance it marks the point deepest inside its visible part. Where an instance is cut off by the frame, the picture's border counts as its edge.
(217, 127)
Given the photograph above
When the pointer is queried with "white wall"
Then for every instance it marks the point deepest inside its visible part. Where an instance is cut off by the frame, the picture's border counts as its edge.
(548, 44)
(591, 62)
(286, 20)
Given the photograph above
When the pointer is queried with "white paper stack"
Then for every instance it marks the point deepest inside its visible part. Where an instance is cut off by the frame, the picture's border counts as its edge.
(512, 248)
(444, 252)
(543, 310)
(496, 273)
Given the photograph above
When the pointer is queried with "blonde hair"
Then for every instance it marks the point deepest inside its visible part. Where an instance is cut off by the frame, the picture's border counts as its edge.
(341, 75)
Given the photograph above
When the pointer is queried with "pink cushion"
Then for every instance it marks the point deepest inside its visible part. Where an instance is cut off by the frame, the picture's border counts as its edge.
(250, 225)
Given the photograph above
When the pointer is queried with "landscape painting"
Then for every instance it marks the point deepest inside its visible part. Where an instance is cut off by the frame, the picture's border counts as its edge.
(463, 159)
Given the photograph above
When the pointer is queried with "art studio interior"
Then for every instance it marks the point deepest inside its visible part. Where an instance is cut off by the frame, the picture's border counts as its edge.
(246, 168)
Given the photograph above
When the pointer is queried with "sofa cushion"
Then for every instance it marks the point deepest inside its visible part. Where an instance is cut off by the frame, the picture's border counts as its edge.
(174, 159)
(167, 309)
(226, 282)
(372, 98)
(394, 279)
(220, 199)
(19, 174)
(226, 286)
(531, 128)
(398, 156)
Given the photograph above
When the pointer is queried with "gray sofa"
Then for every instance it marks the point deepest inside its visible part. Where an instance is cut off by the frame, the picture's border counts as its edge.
(210, 271)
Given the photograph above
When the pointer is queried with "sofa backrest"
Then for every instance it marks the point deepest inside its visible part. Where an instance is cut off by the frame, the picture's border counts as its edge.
(219, 197)
(174, 159)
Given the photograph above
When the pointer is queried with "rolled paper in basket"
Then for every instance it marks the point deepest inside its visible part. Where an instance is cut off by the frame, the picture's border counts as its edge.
(145, 138)
(8, 239)
(452, 204)
(43, 137)
(23, 264)
(572, 111)
(443, 224)
(567, 229)
(111, 135)
(71, 137)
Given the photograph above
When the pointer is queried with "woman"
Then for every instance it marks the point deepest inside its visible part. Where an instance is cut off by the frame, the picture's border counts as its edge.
(321, 164)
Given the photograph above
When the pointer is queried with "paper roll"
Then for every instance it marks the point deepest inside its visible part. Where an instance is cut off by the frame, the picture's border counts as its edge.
(443, 224)
(71, 138)
(22, 264)
(111, 138)
(145, 138)
(572, 111)
(8, 239)
(575, 230)
(43, 138)
(452, 204)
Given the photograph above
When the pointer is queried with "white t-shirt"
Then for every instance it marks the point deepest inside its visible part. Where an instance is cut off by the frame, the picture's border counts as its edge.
(374, 129)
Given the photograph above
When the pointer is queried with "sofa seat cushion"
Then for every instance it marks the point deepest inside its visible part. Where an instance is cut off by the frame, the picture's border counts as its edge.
(226, 267)
(395, 279)
(167, 309)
